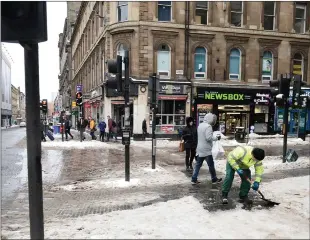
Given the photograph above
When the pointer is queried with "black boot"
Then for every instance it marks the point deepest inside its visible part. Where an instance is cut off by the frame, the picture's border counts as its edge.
(224, 198)
(246, 200)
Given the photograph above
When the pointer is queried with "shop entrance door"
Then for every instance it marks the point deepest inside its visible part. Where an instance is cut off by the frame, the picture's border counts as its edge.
(119, 114)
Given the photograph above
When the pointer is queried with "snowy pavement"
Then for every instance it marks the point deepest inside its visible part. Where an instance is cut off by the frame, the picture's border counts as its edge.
(186, 218)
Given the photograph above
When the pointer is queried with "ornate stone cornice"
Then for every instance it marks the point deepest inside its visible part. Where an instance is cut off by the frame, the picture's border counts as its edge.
(269, 41)
(120, 31)
(236, 39)
(163, 32)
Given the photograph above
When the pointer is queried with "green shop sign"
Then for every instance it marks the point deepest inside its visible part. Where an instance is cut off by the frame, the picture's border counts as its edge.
(225, 96)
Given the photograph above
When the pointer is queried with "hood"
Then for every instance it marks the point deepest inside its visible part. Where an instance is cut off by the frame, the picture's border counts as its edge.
(210, 118)
(188, 120)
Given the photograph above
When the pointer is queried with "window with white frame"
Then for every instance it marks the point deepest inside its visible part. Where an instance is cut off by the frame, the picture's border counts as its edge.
(236, 13)
(122, 11)
(267, 66)
(269, 15)
(200, 62)
(300, 18)
(201, 12)
(164, 11)
(121, 51)
(298, 65)
(171, 115)
(235, 64)
(164, 61)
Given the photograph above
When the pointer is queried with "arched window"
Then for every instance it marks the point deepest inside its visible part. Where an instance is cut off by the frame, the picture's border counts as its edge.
(298, 65)
(267, 66)
(235, 64)
(200, 62)
(121, 51)
(164, 61)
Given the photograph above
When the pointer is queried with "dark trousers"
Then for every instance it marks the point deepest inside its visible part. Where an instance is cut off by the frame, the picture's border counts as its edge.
(67, 131)
(144, 134)
(199, 163)
(189, 156)
(229, 178)
(43, 136)
(102, 136)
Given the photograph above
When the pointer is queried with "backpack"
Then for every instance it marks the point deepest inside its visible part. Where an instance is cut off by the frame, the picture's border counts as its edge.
(113, 124)
(70, 123)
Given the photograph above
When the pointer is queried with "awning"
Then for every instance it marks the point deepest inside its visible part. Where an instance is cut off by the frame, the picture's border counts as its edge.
(172, 97)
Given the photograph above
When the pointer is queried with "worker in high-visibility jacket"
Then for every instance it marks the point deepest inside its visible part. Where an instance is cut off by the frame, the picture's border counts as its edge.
(240, 160)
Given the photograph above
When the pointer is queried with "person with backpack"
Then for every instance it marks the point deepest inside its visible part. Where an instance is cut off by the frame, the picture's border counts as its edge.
(68, 126)
(102, 125)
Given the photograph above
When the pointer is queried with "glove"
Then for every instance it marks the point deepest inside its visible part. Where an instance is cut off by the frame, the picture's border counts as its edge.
(240, 172)
(218, 137)
(255, 186)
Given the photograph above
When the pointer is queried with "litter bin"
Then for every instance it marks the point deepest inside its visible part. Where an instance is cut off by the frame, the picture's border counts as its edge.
(239, 133)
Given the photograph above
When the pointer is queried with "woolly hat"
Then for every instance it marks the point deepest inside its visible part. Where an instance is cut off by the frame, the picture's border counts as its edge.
(258, 153)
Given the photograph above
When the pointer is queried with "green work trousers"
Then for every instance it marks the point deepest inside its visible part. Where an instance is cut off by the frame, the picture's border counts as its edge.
(229, 178)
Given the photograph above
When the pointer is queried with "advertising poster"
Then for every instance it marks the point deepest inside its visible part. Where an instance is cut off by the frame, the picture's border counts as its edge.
(167, 129)
(267, 65)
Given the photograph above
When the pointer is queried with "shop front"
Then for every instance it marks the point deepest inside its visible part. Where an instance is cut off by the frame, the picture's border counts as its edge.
(172, 108)
(299, 119)
(235, 108)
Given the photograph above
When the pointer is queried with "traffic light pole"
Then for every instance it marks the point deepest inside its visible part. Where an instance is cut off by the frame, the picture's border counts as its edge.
(81, 122)
(34, 141)
(127, 116)
(285, 129)
(154, 121)
(62, 125)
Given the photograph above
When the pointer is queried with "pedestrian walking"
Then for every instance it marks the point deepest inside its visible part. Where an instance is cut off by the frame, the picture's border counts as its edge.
(109, 128)
(92, 127)
(240, 160)
(144, 129)
(189, 135)
(114, 130)
(68, 126)
(204, 147)
(102, 126)
(42, 131)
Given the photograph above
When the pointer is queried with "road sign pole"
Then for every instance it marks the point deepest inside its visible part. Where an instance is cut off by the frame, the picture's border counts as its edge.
(127, 118)
(154, 94)
(34, 141)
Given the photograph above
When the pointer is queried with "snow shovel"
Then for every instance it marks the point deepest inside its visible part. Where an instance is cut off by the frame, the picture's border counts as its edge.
(270, 203)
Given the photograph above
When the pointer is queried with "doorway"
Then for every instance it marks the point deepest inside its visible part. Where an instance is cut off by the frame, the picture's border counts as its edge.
(119, 114)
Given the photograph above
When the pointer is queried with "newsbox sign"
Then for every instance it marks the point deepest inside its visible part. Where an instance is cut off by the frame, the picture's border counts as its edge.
(223, 96)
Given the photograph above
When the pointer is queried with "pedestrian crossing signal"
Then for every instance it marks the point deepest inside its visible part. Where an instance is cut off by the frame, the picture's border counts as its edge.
(79, 98)
(44, 106)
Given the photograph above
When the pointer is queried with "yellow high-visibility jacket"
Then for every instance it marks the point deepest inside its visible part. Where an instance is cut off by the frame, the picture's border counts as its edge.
(241, 158)
(92, 124)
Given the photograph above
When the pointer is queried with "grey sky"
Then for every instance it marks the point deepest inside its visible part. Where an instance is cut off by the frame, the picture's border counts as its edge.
(48, 53)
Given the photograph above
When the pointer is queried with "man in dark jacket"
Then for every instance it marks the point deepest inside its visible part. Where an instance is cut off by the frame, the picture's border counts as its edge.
(102, 126)
(67, 128)
(144, 127)
(189, 135)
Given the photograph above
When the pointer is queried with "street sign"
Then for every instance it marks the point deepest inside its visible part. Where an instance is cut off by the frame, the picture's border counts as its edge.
(79, 88)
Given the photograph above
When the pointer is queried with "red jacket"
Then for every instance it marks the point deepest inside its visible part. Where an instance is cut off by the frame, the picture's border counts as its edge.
(110, 123)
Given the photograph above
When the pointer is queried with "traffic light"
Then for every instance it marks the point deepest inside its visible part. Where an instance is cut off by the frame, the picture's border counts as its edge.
(283, 86)
(23, 22)
(79, 98)
(153, 90)
(297, 92)
(115, 67)
(44, 105)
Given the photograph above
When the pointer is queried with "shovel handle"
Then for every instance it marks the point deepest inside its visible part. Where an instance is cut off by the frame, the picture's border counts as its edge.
(260, 193)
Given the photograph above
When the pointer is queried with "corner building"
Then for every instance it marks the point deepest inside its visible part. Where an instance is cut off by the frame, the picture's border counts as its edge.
(201, 51)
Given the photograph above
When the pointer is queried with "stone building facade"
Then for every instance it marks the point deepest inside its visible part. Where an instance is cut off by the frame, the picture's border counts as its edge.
(65, 68)
(239, 45)
(18, 105)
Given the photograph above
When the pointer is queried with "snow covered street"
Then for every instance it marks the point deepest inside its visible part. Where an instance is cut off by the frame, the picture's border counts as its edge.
(186, 218)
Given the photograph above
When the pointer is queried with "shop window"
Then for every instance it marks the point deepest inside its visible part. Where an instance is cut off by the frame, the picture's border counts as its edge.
(164, 11)
(122, 11)
(235, 64)
(300, 18)
(236, 13)
(267, 69)
(201, 13)
(269, 15)
(121, 51)
(163, 61)
(200, 62)
(298, 65)
(171, 116)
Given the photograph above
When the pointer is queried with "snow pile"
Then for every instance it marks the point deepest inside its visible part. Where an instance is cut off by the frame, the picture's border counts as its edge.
(174, 220)
(139, 177)
(74, 144)
(255, 135)
(7, 127)
(271, 164)
(160, 143)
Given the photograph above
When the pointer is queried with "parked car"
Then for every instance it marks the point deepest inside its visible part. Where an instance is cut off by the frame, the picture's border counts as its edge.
(22, 124)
